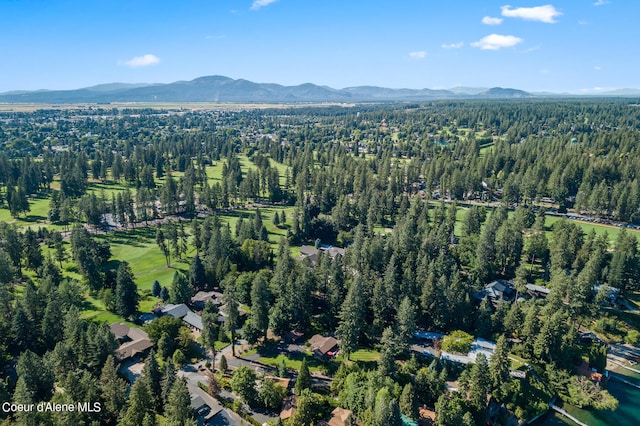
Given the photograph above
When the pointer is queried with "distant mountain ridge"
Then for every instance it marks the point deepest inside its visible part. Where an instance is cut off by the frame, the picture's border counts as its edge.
(224, 89)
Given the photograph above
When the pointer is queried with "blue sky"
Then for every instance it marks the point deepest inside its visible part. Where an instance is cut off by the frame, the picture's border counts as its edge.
(578, 46)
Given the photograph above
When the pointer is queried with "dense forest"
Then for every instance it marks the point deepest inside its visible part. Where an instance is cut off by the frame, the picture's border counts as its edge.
(432, 204)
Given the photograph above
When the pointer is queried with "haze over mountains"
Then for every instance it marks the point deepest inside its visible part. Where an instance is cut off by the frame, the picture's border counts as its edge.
(225, 89)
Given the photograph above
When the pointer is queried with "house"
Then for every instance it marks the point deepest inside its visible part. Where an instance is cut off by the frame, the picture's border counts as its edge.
(497, 291)
(588, 338)
(200, 299)
(323, 347)
(205, 407)
(193, 320)
(182, 311)
(478, 346)
(590, 373)
(133, 341)
(538, 291)
(339, 417)
(311, 253)
(176, 311)
(289, 405)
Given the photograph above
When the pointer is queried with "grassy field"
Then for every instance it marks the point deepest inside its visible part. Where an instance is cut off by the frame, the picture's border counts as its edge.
(293, 361)
(365, 355)
(600, 229)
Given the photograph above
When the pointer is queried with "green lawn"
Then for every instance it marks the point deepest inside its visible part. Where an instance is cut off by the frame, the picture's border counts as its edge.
(35, 218)
(587, 227)
(139, 249)
(365, 355)
(293, 361)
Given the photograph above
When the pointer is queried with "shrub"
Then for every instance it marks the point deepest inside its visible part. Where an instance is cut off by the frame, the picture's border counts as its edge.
(458, 341)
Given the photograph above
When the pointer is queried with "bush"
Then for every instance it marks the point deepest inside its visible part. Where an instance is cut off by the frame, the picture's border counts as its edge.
(458, 341)
(632, 337)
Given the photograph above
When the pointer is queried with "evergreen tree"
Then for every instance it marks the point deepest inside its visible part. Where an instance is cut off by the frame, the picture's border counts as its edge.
(32, 253)
(168, 379)
(232, 315)
(181, 291)
(197, 276)
(303, 380)
(308, 408)
(479, 386)
(499, 366)
(223, 364)
(139, 405)
(260, 297)
(151, 374)
(126, 295)
(210, 327)
(408, 405)
(178, 409)
(406, 324)
(156, 289)
(351, 317)
(113, 390)
(164, 294)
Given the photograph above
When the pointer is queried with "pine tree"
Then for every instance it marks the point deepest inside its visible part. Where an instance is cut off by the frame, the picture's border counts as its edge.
(168, 378)
(178, 409)
(113, 390)
(499, 365)
(223, 364)
(197, 275)
(156, 289)
(408, 405)
(406, 324)
(139, 405)
(260, 297)
(479, 385)
(151, 374)
(304, 378)
(210, 327)
(232, 315)
(181, 291)
(126, 295)
(164, 294)
(351, 317)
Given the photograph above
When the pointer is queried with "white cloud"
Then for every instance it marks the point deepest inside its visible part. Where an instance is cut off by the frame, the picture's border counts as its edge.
(257, 4)
(488, 20)
(141, 61)
(418, 55)
(545, 13)
(597, 68)
(497, 42)
(457, 45)
(583, 22)
(601, 2)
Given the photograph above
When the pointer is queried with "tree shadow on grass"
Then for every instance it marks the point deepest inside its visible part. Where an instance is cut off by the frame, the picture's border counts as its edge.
(33, 218)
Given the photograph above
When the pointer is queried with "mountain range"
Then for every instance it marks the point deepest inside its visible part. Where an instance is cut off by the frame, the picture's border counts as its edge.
(225, 89)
